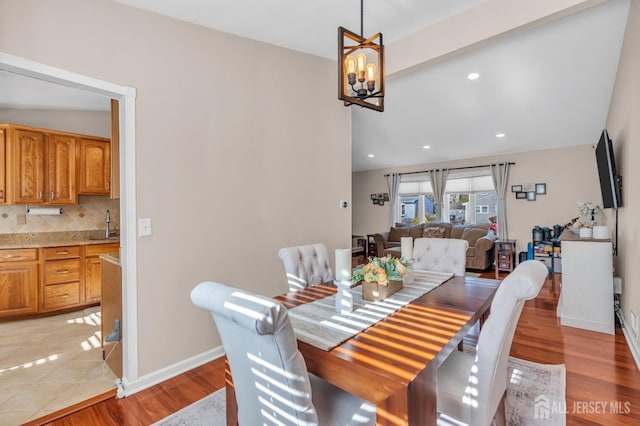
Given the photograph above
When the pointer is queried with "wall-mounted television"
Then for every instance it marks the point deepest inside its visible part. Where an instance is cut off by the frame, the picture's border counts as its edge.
(609, 182)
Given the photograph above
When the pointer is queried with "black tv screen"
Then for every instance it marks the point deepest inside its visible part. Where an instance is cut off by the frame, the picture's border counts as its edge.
(607, 172)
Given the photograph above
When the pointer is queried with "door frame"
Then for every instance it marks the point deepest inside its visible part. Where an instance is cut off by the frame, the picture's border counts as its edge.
(126, 97)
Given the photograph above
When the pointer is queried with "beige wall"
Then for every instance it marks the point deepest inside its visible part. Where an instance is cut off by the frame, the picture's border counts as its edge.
(233, 160)
(567, 183)
(623, 124)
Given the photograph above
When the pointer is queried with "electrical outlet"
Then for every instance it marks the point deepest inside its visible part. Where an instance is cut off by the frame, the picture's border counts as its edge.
(344, 204)
(634, 323)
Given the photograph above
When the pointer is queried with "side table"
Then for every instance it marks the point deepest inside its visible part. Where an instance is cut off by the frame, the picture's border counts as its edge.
(505, 251)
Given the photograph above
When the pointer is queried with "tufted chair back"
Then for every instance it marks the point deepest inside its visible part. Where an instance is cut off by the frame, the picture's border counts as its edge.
(306, 265)
(270, 378)
(440, 255)
(471, 388)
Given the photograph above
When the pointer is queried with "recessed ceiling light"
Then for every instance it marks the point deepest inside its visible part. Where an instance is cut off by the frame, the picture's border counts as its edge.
(500, 135)
(426, 147)
(473, 76)
(370, 155)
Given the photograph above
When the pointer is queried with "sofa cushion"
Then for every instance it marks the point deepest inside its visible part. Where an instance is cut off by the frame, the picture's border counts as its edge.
(396, 233)
(416, 231)
(446, 226)
(456, 232)
(433, 232)
(473, 234)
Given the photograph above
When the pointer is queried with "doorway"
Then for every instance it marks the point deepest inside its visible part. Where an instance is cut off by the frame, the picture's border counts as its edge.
(126, 99)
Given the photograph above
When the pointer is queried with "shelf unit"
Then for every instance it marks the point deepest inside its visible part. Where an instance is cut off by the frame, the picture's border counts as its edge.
(505, 255)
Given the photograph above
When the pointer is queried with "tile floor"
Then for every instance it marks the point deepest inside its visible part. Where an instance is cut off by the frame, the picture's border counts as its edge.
(47, 364)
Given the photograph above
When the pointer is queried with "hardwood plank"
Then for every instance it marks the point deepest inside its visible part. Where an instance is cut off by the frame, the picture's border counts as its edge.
(600, 368)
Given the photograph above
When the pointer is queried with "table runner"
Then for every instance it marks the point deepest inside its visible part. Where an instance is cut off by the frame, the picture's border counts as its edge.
(318, 324)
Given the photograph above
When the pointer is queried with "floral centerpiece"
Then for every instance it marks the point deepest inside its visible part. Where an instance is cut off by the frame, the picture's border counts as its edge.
(588, 210)
(381, 276)
(380, 270)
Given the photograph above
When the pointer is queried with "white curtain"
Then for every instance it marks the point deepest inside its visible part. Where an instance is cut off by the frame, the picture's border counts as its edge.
(393, 182)
(439, 183)
(500, 174)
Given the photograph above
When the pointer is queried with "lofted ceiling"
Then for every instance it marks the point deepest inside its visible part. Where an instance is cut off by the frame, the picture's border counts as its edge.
(546, 87)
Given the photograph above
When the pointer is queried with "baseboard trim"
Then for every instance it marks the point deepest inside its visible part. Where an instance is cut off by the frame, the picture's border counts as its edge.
(631, 341)
(158, 376)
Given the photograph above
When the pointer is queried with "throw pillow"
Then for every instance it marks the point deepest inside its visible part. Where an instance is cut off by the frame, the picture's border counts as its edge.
(433, 232)
(396, 233)
(472, 235)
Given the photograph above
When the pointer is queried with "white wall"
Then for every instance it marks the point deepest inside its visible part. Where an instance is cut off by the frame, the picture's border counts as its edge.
(623, 124)
(94, 123)
(570, 174)
(228, 168)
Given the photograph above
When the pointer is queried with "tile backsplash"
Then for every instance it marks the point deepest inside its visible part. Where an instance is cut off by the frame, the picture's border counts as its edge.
(87, 215)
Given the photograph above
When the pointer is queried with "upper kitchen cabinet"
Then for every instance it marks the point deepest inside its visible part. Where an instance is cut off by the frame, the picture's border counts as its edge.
(52, 167)
(25, 166)
(95, 166)
(40, 167)
(2, 145)
(61, 169)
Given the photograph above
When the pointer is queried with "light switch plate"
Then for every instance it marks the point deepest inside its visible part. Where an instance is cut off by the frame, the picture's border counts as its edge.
(144, 228)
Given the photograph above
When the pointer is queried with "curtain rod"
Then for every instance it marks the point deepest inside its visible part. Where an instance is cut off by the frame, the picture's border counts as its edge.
(451, 168)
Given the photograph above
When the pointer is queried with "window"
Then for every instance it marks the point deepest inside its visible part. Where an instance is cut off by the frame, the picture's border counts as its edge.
(417, 204)
(469, 198)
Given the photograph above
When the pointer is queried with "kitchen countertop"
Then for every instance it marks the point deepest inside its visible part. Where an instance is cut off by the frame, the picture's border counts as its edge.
(54, 239)
(112, 258)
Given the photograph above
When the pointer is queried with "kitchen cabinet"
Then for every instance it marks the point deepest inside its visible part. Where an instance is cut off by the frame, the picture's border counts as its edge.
(25, 166)
(93, 270)
(18, 282)
(40, 167)
(2, 145)
(61, 169)
(95, 167)
(61, 286)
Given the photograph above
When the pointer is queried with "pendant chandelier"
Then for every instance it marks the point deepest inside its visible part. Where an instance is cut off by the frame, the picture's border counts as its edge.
(361, 68)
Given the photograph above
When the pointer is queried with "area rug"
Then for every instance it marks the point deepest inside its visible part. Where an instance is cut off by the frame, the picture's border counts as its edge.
(535, 396)
(209, 411)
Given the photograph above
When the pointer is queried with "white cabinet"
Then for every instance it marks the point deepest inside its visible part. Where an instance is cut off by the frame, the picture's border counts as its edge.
(586, 299)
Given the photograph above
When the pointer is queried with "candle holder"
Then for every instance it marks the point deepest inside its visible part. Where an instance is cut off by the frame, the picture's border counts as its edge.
(409, 276)
(344, 297)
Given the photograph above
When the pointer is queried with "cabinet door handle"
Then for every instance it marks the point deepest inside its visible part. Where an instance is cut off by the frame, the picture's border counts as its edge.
(12, 256)
(63, 271)
(59, 253)
(63, 296)
(107, 185)
(51, 196)
(40, 196)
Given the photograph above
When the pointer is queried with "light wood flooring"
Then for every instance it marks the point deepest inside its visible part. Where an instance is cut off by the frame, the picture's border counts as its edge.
(601, 374)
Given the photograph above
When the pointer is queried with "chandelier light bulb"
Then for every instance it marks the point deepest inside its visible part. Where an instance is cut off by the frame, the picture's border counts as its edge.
(362, 64)
(371, 77)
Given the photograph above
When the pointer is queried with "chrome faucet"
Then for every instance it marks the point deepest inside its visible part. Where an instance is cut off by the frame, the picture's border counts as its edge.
(107, 221)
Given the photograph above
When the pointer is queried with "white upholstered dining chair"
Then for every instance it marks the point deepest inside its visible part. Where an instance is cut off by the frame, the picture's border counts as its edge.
(270, 378)
(306, 265)
(440, 255)
(471, 387)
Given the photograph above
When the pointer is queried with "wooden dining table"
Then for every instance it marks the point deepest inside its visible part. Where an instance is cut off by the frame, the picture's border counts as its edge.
(393, 364)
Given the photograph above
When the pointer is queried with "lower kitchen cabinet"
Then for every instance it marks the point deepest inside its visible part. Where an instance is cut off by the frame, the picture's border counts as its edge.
(46, 280)
(93, 270)
(61, 287)
(18, 282)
